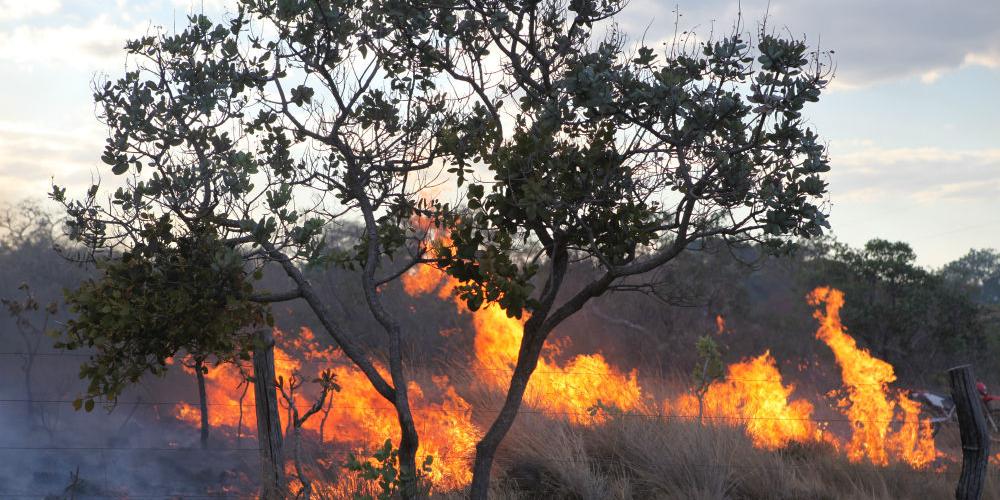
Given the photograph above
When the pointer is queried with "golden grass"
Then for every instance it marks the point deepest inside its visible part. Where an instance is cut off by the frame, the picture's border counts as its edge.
(631, 457)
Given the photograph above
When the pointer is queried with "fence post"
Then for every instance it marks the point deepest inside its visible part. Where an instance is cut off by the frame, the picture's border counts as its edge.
(975, 435)
(272, 461)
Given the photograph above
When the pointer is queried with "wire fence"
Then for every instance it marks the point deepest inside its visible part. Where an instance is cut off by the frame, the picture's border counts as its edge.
(472, 369)
(536, 399)
(529, 411)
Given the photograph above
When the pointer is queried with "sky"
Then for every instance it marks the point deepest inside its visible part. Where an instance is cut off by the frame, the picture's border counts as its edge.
(910, 118)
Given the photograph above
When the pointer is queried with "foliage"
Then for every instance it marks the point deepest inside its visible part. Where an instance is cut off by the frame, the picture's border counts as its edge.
(620, 160)
(979, 272)
(383, 468)
(166, 295)
(895, 306)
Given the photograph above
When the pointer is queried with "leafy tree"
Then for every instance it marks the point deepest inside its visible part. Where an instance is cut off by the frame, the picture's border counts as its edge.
(615, 158)
(168, 294)
(895, 306)
(253, 136)
(979, 271)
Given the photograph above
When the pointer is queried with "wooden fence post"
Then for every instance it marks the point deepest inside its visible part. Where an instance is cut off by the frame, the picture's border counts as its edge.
(975, 435)
(272, 463)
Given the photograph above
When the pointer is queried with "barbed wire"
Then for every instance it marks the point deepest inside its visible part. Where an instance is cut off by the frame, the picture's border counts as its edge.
(479, 369)
(535, 411)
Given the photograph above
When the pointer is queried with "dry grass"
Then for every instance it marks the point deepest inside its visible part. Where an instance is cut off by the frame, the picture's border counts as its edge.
(632, 457)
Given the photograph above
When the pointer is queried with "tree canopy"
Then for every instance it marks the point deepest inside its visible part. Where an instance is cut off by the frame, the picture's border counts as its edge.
(568, 143)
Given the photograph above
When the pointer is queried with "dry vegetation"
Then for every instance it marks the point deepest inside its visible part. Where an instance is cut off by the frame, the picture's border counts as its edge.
(643, 458)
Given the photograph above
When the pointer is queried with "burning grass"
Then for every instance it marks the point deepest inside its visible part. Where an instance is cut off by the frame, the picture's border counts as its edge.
(591, 430)
(627, 457)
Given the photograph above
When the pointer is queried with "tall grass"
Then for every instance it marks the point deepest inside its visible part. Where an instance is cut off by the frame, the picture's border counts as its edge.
(631, 457)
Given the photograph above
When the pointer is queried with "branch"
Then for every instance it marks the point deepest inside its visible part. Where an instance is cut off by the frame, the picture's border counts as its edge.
(276, 297)
(352, 350)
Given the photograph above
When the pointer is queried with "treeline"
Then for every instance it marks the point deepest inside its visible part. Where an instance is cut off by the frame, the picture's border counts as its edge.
(920, 320)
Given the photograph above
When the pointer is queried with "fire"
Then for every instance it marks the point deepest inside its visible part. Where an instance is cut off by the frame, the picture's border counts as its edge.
(567, 389)
(720, 324)
(885, 428)
(868, 405)
(754, 396)
(358, 419)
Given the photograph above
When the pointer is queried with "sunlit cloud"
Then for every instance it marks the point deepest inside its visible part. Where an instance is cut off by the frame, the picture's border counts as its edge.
(31, 159)
(95, 45)
(921, 175)
(875, 42)
(20, 10)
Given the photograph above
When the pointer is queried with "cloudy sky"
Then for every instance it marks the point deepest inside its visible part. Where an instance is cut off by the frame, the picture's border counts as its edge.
(911, 119)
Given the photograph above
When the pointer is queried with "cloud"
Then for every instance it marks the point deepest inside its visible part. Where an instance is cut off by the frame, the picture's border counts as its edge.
(18, 10)
(96, 45)
(920, 175)
(30, 159)
(209, 6)
(874, 41)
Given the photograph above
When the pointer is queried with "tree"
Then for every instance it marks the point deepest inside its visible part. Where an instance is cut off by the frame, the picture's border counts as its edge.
(32, 330)
(617, 159)
(256, 134)
(979, 271)
(898, 308)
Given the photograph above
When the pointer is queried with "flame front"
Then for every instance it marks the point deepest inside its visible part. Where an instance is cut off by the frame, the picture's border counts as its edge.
(359, 419)
(569, 389)
(753, 395)
(868, 405)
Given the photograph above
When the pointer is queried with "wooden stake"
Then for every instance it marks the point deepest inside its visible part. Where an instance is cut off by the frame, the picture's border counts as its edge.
(975, 435)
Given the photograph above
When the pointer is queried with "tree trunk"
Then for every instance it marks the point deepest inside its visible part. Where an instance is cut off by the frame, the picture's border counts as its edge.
(272, 463)
(486, 449)
(409, 487)
(28, 393)
(199, 366)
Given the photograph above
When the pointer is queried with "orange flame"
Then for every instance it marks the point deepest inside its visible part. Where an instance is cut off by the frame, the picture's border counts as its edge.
(868, 404)
(359, 418)
(754, 396)
(720, 324)
(568, 389)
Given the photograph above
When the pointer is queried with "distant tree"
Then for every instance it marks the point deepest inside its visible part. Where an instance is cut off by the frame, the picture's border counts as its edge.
(979, 271)
(31, 320)
(616, 158)
(897, 307)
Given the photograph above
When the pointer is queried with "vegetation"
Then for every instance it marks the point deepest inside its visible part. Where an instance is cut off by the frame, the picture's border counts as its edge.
(281, 155)
(618, 158)
(753, 301)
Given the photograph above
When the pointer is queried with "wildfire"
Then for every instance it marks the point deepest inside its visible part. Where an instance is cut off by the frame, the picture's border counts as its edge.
(569, 389)
(885, 425)
(868, 404)
(754, 396)
(357, 418)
